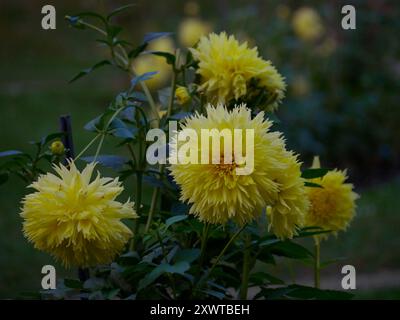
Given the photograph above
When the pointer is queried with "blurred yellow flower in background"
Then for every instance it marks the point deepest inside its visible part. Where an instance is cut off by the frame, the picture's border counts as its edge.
(57, 148)
(75, 219)
(300, 86)
(151, 63)
(307, 24)
(191, 30)
(182, 95)
(332, 206)
(283, 12)
(227, 69)
(191, 8)
(327, 47)
(217, 194)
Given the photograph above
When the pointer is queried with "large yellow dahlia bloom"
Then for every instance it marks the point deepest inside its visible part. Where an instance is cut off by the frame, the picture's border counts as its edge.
(75, 219)
(231, 71)
(332, 206)
(217, 194)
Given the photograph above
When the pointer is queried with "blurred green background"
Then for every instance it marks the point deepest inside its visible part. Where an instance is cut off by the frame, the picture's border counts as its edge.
(342, 104)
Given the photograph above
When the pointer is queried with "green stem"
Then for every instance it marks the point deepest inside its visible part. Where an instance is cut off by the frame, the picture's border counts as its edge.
(246, 269)
(88, 146)
(138, 204)
(222, 253)
(317, 266)
(156, 191)
(99, 147)
(204, 238)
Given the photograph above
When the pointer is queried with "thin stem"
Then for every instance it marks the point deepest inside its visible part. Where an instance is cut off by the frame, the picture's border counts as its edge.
(317, 266)
(204, 238)
(88, 146)
(132, 153)
(138, 204)
(99, 147)
(156, 191)
(233, 238)
(246, 269)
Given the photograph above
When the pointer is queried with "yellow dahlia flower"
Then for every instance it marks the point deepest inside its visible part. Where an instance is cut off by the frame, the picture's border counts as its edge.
(191, 30)
(289, 209)
(333, 206)
(307, 24)
(232, 72)
(152, 63)
(215, 191)
(75, 219)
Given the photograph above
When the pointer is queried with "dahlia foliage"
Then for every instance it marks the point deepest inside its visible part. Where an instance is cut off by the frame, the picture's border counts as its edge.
(193, 229)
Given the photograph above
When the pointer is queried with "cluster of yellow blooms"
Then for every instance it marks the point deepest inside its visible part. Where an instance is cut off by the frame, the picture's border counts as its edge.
(79, 221)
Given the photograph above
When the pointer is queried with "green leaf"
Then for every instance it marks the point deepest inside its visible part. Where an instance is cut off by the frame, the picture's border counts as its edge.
(73, 283)
(262, 278)
(94, 283)
(312, 185)
(111, 161)
(169, 57)
(177, 268)
(119, 10)
(290, 249)
(304, 292)
(138, 50)
(90, 14)
(10, 153)
(143, 77)
(175, 219)
(119, 129)
(155, 35)
(314, 173)
(89, 70)
(188, 255)
(51, 137)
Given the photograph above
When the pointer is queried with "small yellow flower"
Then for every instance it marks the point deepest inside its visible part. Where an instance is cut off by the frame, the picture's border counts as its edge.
(182, 95)
(231, 71)
(307, 24)
(191, 30)
(75, 219)
(151, 63)
(57, 148)
(332, 206)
